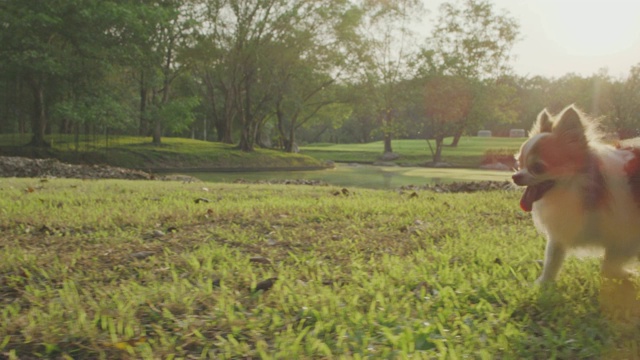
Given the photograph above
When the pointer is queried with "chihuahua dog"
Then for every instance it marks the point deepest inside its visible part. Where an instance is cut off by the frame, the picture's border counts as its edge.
(581, 192)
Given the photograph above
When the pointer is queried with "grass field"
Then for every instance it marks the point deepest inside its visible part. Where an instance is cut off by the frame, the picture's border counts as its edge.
(149, 270)
(469, 152)
(139, 153)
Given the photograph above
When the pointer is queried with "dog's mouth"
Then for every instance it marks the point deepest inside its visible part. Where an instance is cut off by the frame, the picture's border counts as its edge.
(534, 193)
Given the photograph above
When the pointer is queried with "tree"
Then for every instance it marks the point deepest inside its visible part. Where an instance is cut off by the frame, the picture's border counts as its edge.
(241, 73)
(170, 30)
(473, 41)
(389, 58)
(310, 61)
(216, 66)
(67, 53)
(447, 99)
(625, 105)
(273, 60)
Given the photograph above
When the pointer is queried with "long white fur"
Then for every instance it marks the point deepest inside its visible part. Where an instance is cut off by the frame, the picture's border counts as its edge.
(613, 227)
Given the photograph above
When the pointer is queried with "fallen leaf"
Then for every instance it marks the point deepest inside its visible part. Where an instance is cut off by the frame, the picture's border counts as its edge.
(260, 260)
(345, 191)
(172, 229)
(142, 254)
(204, 200)
(265, 284)
(413, 195)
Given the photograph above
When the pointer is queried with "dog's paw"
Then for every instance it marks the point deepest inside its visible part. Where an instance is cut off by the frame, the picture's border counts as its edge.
(542, 281)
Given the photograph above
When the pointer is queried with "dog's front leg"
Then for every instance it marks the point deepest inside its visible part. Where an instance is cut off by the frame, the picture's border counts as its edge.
(554, 255)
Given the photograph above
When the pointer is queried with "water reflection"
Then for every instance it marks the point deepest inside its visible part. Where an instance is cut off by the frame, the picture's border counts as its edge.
(367, 176)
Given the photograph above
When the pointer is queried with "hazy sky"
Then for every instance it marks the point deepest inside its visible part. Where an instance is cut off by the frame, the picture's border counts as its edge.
(562, 36)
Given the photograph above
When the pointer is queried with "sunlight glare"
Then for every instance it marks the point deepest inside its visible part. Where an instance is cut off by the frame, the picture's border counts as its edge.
(594, 28)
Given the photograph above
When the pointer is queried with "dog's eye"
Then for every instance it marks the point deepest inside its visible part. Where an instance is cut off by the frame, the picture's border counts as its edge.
(537, 168)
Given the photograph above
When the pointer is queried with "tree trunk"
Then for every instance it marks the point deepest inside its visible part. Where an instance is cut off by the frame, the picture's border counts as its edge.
(292, 139)
(246, 139)
(387, 143)
(222, 118)
(247, 133)
(143, 129)
(157, 133)
(437, 155)
(316, 138)
(456, 138)
(39, 119)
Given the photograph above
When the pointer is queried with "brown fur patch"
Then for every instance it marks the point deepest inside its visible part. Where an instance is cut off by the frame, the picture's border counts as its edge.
(632, 169)
(561, 158)
(566, 159)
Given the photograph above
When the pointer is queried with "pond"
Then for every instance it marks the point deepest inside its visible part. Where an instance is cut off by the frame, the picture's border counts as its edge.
(367, 176)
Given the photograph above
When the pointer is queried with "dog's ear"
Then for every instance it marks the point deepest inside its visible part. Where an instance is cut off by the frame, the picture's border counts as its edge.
(543, 124)
(570, 126)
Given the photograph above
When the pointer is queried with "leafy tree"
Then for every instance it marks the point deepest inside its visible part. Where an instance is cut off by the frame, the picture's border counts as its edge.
(625, 105)
(388, 58)
(240, 75)
(472, 40)
(170, 29)
(67, 52)
(311, 60)
(447, 99)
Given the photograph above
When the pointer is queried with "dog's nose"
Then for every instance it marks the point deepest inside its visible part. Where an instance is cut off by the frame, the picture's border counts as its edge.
(517, 178)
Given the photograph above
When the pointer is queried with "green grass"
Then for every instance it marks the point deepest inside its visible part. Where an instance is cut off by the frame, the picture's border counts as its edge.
(469, 152)
(138, 152)
(86, 274)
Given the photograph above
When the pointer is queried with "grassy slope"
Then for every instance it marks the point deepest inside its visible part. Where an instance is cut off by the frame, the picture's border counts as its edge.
(137, 152)
(469, 152)
(374, 273)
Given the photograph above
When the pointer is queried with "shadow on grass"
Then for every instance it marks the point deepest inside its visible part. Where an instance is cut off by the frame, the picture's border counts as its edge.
(559, 322)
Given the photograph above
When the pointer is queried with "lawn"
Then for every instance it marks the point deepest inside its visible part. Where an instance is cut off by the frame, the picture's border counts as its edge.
(174, 153)
(139, 153)
(469, 152)
(123, 269)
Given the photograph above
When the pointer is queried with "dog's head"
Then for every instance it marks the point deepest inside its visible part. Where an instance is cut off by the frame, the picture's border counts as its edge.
(557, 149)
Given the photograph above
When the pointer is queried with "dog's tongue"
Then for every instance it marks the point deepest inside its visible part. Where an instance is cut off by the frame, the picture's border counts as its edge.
(533, 193)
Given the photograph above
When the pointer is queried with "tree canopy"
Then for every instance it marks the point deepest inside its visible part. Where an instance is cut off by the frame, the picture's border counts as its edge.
(273, 73)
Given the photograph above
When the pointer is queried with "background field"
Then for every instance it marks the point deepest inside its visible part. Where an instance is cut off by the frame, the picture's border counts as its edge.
(468, 154)
(117, 269)
(138, 153)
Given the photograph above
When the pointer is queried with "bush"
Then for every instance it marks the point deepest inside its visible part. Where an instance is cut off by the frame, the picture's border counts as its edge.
(503, 156)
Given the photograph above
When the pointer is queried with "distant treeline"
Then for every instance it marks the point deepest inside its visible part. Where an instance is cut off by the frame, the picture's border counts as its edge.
(274, 73)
